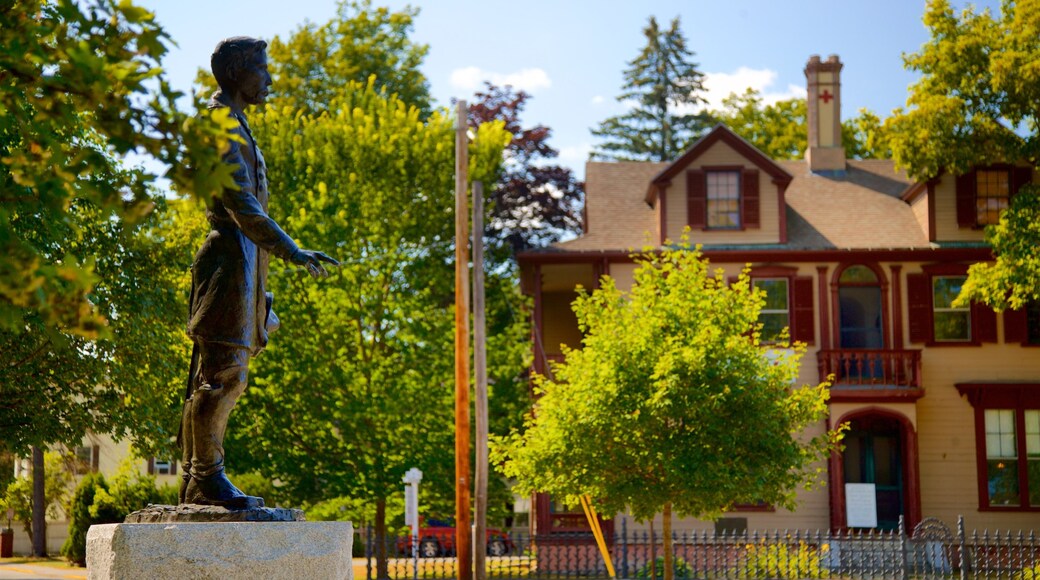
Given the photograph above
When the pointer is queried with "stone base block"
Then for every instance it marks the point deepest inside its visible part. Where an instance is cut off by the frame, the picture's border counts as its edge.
(220, 550)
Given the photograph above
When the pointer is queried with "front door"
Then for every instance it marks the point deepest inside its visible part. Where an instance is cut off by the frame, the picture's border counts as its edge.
(874, 454)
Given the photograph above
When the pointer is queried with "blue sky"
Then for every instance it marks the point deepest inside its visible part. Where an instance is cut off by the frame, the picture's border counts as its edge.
(570, 54)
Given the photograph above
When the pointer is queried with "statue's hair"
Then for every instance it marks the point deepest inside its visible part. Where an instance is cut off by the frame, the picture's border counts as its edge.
(233, 54)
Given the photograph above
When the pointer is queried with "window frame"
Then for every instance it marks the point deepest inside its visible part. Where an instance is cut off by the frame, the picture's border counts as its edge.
(787, 280)
(950, 309)
(982, 320)
(979, 197)
(735, 173)
(1019, 398)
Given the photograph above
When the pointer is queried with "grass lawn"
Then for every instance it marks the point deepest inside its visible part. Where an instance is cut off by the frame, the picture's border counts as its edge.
(49, 562)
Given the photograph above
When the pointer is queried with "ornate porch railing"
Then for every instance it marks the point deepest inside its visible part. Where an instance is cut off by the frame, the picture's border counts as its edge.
(872, 368)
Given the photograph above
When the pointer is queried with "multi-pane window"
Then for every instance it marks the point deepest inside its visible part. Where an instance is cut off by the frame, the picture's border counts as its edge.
(1008, 465)
(84, 459)
(775, 314)
(163, 467)
(992, 193)
(951, 324)
(723, 199)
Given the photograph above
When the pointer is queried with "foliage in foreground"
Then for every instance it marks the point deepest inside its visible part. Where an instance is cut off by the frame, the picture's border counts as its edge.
(973, 105)
(671, 399)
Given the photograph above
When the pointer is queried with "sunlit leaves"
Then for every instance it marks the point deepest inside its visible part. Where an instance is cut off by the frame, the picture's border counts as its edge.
(975, 104)
(80, 86)
(671, 399)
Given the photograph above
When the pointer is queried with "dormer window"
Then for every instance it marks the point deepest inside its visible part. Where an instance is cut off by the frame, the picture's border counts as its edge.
(992, 194)
(723, 197)
(982, 194)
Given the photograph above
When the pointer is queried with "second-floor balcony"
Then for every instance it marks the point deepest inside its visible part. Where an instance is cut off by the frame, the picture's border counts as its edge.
(860, 374)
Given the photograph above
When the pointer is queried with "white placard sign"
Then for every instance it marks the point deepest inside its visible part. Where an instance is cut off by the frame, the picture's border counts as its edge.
(860, 505)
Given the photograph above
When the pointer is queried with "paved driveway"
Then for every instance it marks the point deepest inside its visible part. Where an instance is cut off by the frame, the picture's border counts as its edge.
(34, 572)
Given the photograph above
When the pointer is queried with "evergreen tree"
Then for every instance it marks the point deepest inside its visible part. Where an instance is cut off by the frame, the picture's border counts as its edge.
(666, 88)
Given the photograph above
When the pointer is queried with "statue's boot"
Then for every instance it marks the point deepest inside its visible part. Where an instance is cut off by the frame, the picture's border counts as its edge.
(208, 485)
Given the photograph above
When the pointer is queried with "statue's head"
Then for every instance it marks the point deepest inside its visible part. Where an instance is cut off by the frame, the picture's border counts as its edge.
(239, 64)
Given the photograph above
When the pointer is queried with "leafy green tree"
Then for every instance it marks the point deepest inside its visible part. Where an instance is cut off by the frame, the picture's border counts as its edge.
(19, 493)
(316, 62)
(666, 89)
(652, 412)
(533, 203)
(357, 386)
(780, 130)
(975, 104)
(57, 386)
(80, 519)
(81, 86)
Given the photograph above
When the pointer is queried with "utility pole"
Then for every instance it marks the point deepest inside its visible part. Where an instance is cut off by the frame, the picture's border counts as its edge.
(480, 379)
(463, 544)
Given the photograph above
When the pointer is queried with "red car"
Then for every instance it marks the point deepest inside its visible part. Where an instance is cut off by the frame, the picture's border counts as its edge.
(437, 538)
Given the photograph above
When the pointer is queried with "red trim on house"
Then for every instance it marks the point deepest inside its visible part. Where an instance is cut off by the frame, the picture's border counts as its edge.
(784, 255)
(725, 135)
(781, 194)
(932, 235)
(913, 191)
(897, 306)
(825, 323)
(536, 322)
(911, 480)
(696, 199)
(662, 214)
(999, 395)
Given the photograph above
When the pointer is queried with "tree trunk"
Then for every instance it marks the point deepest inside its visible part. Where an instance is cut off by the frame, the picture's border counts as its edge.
(669, 566)
(382, 567)
(39, 506)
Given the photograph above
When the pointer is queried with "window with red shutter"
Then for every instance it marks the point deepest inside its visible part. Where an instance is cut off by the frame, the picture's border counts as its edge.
(696, 199)
(803, 323)
(919, 298)
(750, 203)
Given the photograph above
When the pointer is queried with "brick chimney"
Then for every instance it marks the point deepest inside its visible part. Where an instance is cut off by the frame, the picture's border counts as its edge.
(825, 153)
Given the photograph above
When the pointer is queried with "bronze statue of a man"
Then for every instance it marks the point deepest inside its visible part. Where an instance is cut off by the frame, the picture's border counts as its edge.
(230, 312)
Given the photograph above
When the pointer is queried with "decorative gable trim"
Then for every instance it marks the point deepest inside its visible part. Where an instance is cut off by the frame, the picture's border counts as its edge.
(725, 135)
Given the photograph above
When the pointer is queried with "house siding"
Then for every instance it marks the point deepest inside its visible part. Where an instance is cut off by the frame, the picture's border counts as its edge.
(722, 155)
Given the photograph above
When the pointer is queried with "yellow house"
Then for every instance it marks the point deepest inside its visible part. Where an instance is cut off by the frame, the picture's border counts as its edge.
(861, 263)
(95, 454)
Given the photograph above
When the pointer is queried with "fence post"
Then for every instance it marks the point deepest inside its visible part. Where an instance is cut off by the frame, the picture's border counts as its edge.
(624, 548)
(961, 545)
(902, 548)
(368, 552)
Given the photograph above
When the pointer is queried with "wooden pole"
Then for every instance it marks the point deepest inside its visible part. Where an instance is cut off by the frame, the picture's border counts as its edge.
(463, 543)
(480, 380)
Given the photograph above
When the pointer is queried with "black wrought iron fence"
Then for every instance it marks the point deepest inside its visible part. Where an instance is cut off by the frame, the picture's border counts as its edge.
(931, 550)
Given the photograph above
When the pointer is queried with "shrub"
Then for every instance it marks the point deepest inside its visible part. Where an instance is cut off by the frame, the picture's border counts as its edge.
(82, 515)
(773, 560)
(1028, 573)
(682, 569)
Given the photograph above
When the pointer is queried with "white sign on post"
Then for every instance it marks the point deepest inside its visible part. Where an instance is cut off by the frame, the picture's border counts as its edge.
(860, 505)
(411, 498)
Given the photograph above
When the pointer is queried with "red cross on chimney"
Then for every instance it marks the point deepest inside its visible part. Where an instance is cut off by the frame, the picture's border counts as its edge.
(826, 96)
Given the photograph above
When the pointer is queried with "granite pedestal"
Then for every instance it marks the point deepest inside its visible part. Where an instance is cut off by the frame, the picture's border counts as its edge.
(250, 550)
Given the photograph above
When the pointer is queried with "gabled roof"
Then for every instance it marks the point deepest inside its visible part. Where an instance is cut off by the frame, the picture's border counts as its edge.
(719, 133)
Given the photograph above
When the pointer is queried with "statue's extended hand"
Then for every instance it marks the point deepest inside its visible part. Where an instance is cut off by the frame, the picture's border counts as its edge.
(312, 260)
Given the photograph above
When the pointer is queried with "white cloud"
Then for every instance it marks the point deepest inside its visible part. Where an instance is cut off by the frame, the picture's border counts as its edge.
(598, 100)
(574, 155)
(472, 79)
(721, 85)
